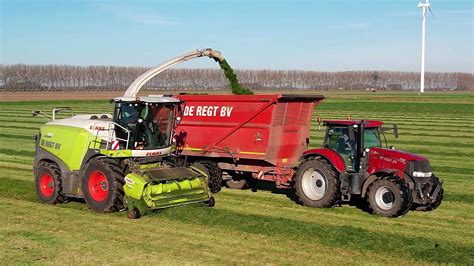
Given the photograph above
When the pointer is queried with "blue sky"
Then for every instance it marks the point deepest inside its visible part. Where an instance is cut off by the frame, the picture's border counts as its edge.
(327, 35)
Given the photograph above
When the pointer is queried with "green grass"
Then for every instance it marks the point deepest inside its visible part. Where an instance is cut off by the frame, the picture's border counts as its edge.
(262, 227)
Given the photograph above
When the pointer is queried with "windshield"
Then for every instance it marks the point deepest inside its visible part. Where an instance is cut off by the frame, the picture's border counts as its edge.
(150, 124)
(371, 138)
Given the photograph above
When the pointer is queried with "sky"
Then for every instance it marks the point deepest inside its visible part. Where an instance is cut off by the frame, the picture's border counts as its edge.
(321, 35)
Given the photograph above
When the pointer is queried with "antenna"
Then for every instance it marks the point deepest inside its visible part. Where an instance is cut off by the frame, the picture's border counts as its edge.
(424, 7)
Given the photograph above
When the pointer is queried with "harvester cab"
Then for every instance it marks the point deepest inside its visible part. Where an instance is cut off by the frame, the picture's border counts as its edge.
(147, 122)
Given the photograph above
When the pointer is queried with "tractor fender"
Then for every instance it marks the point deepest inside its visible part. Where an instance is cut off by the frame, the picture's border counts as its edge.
(384, 172)
(331, 156)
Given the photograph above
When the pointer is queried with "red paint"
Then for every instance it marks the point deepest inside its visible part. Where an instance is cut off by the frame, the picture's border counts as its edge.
(388, 159)
(367, 123)
(272, 129)
(333, 157)
(46, 185)
(98, 186)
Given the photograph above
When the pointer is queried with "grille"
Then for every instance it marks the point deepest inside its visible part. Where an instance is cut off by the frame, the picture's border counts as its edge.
(419, 166)
(289, 114)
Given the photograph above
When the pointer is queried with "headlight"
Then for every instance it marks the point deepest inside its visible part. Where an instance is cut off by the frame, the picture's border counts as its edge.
(422, 174)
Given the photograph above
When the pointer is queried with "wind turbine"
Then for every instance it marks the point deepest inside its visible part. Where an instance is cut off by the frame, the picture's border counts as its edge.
(424, 7)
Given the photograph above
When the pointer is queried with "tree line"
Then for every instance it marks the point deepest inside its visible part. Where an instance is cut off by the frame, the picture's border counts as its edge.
(22, 77)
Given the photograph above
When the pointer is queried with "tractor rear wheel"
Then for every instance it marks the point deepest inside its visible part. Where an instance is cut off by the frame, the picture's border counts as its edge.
(389, 197)
(102, 185)
(316, 184)
(213, 172)
(433, 205)
(49, 183)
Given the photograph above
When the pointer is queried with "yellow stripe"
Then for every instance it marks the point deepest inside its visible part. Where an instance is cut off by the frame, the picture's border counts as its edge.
(192, 149)
(242, 152)
(252, 153)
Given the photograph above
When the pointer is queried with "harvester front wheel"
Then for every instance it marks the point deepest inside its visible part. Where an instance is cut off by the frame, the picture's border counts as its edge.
(103, 185)
(389, 197)
(213, 172)
(48, 183)
(316, 184)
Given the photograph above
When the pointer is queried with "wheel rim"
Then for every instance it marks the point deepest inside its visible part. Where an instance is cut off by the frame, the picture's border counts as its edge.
(385, 198)
(314, 184)
(98, 186)
(46, 185)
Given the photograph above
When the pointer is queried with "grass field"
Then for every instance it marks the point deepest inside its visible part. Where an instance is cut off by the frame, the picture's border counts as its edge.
(252, 227)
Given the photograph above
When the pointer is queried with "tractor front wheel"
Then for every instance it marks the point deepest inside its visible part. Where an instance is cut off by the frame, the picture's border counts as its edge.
(48, 183)
(389, 197)
(316, 184)
(102, 185)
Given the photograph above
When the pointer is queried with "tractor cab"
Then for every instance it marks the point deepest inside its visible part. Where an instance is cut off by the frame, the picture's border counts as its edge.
(346, 138)
(147, 122)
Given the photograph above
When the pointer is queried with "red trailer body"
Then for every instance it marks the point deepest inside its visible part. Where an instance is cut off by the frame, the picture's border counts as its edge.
(261, 134)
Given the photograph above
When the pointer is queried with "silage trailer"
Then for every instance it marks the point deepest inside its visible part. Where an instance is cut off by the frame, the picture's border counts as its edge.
(267, 137)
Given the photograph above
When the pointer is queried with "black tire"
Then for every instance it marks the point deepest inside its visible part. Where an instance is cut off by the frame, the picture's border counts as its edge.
(317, 184)
(133, 213)
(211, 202)
(389, 197)
(48, 182)
(237, 183)
(433, 205)
(109, 195)
(213, 172)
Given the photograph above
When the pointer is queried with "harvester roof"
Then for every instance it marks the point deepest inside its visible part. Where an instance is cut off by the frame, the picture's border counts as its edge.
(148, 99)
(367, 123)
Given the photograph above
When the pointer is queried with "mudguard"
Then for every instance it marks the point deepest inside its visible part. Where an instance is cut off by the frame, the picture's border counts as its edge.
(331, 156)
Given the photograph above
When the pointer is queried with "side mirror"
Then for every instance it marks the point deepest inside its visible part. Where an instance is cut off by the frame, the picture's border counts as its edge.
(178, 120)
(395, 131)
(179, 113)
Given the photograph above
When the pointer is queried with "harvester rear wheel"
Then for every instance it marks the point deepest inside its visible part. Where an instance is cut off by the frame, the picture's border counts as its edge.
(316, 184)
(213, 172)
(48, 183)
(103, 185)
(389, 197)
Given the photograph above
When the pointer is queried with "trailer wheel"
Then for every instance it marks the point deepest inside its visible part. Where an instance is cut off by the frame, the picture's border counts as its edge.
(48, 183)
(433, 205)
(213, 172)
(102, 185)
(239, 180)
(236, 184)
(389, 197)
(317, 184)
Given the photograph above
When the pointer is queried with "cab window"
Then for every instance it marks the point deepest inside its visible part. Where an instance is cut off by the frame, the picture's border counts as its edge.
(371, 138)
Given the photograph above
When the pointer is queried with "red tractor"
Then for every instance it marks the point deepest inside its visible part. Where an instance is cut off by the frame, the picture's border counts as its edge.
(266, 137)
(352, 162)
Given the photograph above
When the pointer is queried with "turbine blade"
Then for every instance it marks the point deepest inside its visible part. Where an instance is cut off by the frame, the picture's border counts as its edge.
(429, 8)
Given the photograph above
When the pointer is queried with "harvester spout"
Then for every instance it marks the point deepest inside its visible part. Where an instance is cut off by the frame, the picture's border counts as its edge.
(135, 87)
